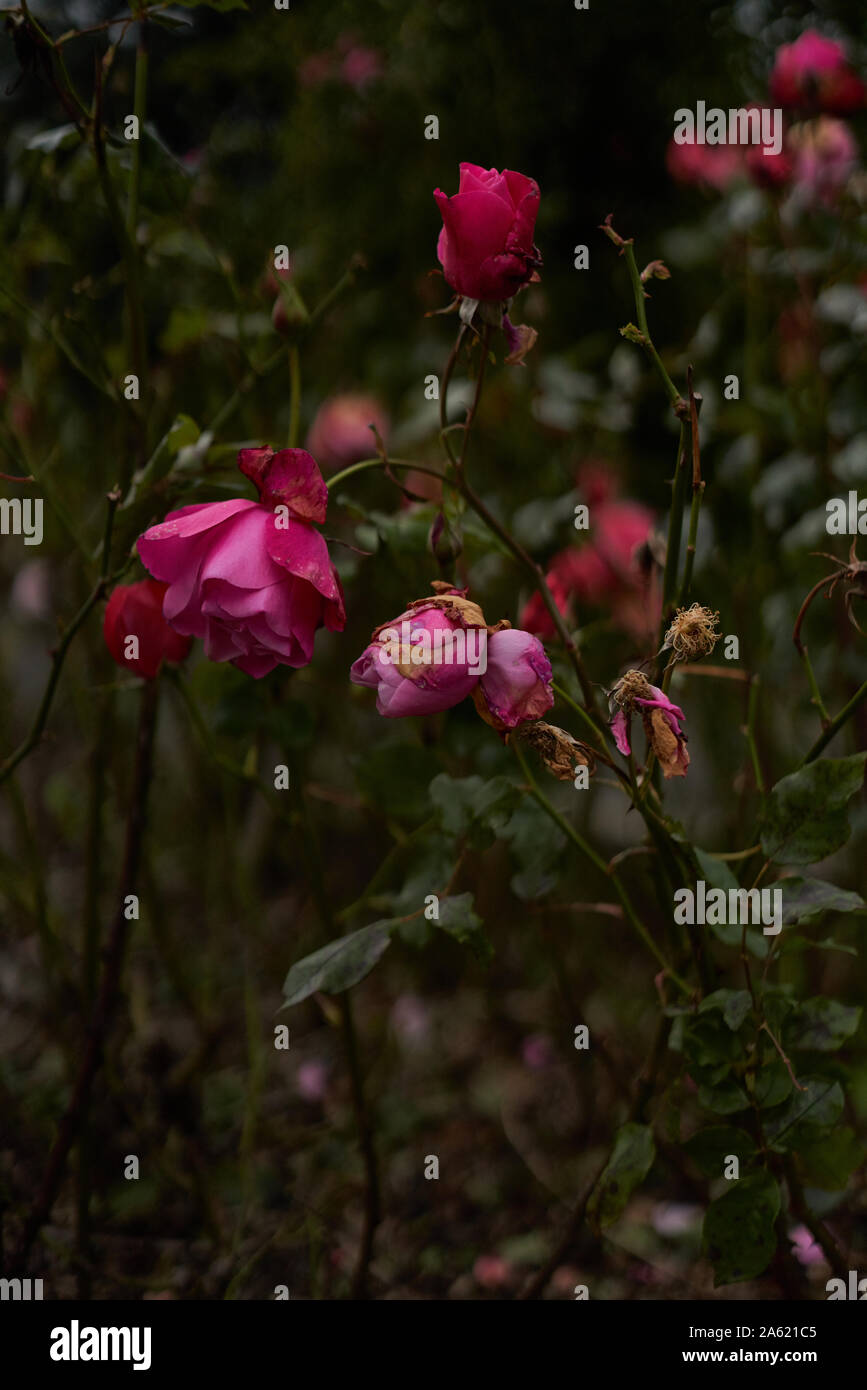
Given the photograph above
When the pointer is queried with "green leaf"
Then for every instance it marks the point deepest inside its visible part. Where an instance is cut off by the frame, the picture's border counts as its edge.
(393, 778)
(821, 1025)
(807, 899)
(805, 815)
(628, 1166)
(338, 965)
(827, 1162)
(183, 433)
(738, 1235)
(817, 1106)
(710, 1148)
(714, 871)
(472, 808)
(734, 1003)
(460, 921)
(537, 847)
(722, 1097)
(773, 1084)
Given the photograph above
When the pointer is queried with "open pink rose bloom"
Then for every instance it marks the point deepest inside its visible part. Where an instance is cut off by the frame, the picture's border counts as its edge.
(254, 580)
(440, 651)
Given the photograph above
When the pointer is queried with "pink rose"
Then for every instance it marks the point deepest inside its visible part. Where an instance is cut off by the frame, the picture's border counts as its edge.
(253, 579)
(604, 572)
(516, 686)
(136, 611)
(425, 661)
(341, 433)
(813, 73)
(486, 244)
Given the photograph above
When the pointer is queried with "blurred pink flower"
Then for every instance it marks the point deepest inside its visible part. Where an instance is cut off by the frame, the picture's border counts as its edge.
(825, 154)
(492, 1271)
(604, 572)
(361, 66)
(710, 166)
(311, 1080)
(341, 433)
(537, 1051)
(813, 74)
(410, 1018)
(805, 1248)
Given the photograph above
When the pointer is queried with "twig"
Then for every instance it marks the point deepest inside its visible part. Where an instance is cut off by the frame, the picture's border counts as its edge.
(108, 993)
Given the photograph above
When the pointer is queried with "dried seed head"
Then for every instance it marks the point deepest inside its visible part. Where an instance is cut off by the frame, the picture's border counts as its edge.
(692, 633)
(559, 751)
(631, 687)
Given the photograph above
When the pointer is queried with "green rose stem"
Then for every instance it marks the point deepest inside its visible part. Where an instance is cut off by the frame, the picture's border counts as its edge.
(136, 340)
(599, 863)
(294, 396)
(835, 725)
(139, 100)
(256, 374)
(444, 394)
(107, 997)
(58, 656)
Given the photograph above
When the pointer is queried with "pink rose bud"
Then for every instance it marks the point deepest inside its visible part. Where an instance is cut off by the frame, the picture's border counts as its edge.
(427, 660)
(135, 631)
(486, 245)
(516, 686)
(341, 431)
(813, 74)
(254, 580)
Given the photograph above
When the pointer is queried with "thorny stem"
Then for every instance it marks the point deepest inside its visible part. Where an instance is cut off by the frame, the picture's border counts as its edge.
(444, 394)
(835, 725)
(372, 1190)
(109, 988)
(804, 654)
(139, 104)
(598, 863)
(294, 395)
(471, 413)
(752, 712)
(58, 656)
(270, 364)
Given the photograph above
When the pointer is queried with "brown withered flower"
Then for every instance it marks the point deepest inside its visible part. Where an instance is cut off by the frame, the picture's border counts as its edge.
(559, 751)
